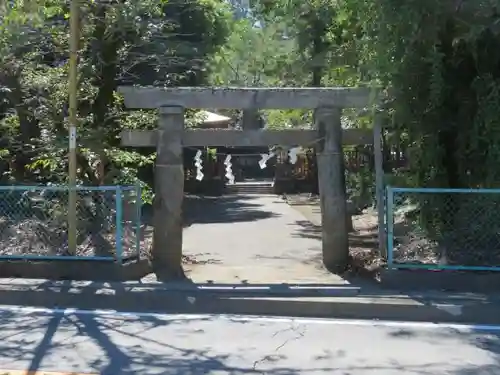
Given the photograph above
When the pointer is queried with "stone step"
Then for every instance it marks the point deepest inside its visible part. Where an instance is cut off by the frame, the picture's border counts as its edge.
(246, 188)
(244, 191)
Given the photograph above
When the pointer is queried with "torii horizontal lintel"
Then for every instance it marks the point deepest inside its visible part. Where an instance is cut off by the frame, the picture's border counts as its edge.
(150, 97)
(241, 138)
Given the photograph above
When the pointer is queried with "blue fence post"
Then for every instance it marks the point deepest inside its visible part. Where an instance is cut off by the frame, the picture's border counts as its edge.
(390, 226)
(138, 218)
(119, 224)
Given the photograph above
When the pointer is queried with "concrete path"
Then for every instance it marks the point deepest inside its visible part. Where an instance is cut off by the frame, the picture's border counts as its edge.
(252, 239)
(105, 343)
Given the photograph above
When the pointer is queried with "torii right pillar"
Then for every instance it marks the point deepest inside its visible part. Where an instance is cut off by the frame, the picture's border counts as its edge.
(331, 179)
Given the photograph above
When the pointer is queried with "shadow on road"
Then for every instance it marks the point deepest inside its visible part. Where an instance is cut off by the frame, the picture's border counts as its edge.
(136, 352)
(482, 339)
(33, 340)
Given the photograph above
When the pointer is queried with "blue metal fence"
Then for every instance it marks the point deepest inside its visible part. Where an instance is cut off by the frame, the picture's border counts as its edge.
(443, 229)
(33, 223)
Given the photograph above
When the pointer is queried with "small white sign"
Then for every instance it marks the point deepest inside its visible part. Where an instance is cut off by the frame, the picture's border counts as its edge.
(72, 137)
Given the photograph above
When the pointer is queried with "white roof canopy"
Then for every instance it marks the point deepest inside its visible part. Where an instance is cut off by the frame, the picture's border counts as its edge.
(210, 117)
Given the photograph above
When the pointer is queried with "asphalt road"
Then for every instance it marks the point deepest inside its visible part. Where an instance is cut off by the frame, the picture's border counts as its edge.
(100, 342)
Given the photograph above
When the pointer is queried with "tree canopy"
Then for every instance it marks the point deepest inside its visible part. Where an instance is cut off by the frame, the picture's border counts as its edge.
(437, 63)
(147, 42)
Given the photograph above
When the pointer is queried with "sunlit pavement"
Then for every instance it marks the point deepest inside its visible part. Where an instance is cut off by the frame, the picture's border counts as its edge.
(100, 342)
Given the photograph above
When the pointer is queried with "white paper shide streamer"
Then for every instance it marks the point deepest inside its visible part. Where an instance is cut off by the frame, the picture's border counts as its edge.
(264, 159)
(229, 170)
(198, 165)
(292, 155)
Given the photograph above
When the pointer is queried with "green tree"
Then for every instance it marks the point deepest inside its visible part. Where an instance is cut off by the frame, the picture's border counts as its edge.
(124, 42)
(324, 34)
(253, 56)
(439, 63)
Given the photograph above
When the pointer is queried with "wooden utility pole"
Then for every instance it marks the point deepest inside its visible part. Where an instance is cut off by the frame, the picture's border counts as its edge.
(379, 183)
(73, 118)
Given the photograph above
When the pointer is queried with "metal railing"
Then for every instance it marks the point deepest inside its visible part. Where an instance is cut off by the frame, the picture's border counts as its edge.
(34, 223)
(443, 229)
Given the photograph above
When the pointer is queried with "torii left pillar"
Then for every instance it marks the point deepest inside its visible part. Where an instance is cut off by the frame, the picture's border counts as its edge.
(166, 254)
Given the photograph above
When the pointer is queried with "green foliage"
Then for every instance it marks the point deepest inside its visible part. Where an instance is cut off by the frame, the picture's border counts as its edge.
(326, 36)
(128, 42)
(440, 61)
(252, 56)
(437, 62)
(280, 119)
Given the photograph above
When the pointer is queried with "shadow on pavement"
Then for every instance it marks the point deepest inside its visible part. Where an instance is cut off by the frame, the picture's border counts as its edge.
(484, 339)
(491, 344)
(46, 342)
(225, 209)
(213, 210)
(365, 241)
(30, 339)
(362, 247)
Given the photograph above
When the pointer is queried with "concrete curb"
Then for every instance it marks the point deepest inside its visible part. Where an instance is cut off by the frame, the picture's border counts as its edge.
(71, 270)
(451, 281)
(264, 290)
(198, 301)
(234, 290)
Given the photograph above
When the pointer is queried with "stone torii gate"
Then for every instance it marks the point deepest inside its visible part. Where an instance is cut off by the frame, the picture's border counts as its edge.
(171, 137)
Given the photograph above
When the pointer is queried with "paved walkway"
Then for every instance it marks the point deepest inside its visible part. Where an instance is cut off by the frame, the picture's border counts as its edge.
(254, 239)
(96, 342)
